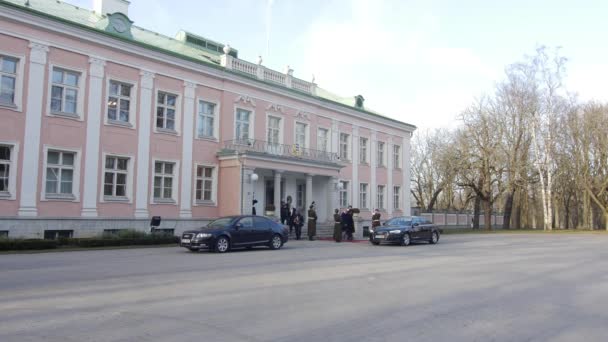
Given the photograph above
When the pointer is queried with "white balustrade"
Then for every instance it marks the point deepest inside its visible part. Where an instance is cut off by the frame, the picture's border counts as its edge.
(243, 66)
(274, 76)
(301, 85)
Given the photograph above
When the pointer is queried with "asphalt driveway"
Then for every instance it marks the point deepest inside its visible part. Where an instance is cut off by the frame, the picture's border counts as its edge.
(504, 287)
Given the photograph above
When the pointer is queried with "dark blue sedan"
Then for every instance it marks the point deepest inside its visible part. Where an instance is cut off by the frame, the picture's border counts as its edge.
(405, 230)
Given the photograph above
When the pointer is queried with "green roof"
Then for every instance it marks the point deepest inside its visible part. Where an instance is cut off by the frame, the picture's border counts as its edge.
(89, 19)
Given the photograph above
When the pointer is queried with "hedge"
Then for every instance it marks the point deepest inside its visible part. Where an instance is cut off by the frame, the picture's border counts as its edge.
(18, 244)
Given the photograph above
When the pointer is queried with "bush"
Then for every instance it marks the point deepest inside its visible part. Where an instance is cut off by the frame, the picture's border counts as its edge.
(20, 245)
(127, 238)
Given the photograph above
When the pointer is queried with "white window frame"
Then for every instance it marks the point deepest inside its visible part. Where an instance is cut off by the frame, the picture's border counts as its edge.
(327, 139)
(363, 203)
(306, 133)
(251, 122)
(18, 96)
(178, 111)
(380, 189)
(129, 191)
(281, 126)
(381, 157)
(396, 197)
(344, 190)
(363, 154)
(397, 156)
(175, 188)
(216, 119)
(13, 170)
(76, 175)
(132, 104)
(214, 179)
(348, 144)
(82, 80)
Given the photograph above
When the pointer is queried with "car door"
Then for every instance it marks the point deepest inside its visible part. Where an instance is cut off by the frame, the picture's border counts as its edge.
(262, 229)
(425, 229)
(415, 230)
(243, 233)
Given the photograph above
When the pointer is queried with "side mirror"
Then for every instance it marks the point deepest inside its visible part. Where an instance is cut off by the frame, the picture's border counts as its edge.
(416, 224)
(238, 226)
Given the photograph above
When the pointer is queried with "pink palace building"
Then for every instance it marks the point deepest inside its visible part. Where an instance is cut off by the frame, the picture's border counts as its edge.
(105, 124)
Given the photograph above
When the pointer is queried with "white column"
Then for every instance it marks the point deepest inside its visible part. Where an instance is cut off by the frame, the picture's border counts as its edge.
(354, 198)
(248, 193)
(335, 137)
(143, 144)
(91, 163)
(308, 191)
(277, 192)
(389, 177)
(405, 188)
(373, 145)
(33, 122)
(187, 145)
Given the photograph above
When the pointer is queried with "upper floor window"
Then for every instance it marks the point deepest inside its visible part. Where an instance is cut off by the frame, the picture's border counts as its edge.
(344, 146)
(115, 177)
(343, 194)
(301, 134)
(164, 172)
(322, 139)
(64, 91)
(8, 79)
(119, 102)
(380, 155)
(274, 130)
(380, 197)
(206, 119)
(5, 169)
(60, 173)
(205, 183)
(242, 124)
(363, 195)
(397, 156)
(165, 111)
(363, 150)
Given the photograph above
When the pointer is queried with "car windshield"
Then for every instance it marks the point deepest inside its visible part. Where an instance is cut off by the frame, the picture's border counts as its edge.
(223, 222)
(399, 221)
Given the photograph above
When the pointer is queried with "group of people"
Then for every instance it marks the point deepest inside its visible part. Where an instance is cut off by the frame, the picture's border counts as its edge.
(294, 219)
(344, 225)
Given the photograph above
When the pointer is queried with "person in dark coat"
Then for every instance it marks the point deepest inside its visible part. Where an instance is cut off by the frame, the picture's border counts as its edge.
(298, 222)
(312, 221)
(344, 220)
(253, 207)
(350, 223)
(337, 226)
(375, 223)
(284, 212)
(290, 219)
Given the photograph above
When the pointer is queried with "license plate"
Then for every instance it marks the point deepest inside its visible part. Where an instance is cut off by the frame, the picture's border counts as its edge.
(379, 236)
(185, 240)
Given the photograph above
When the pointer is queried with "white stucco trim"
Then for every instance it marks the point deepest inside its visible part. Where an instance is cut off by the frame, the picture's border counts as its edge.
(76, 175)
(18, 101)
(13, 169)
(213, 202)
(216, 122)
(175, 189)
(143, 143)
(130, 177)
(132, 104)
(82, 80)
(189, 115)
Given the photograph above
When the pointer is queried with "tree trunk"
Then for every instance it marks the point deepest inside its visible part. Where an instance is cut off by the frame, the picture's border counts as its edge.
(433, 200)
(506, 224)
(487, 208)
(476, 211)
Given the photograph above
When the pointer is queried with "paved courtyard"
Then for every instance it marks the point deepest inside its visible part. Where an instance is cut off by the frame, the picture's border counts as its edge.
(467, 288)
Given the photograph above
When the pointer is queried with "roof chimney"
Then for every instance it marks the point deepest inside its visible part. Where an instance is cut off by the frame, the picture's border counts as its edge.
(105, 7)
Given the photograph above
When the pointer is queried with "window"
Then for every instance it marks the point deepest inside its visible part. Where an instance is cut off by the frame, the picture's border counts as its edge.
(322, 142)
(301, 134)
(397, 156)
(204, 183)
(363, 195)
(343, 194)
(380, 154)
(243, 118)
(165, 111)
(8, 79)
(119, 102)
(274, 130)
(300, 195)
(380, 198)
(60, 174)
(163, 180)
(115, 177)
(247, 222)
(363, 150)
(5, 166)
(396, 195)
(344, 146)
(206, 119)
(64, 91)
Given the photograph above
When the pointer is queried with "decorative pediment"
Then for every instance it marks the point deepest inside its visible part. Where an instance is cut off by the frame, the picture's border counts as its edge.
(273, 107)
(245, 99)
(116, 23)
(303, 115)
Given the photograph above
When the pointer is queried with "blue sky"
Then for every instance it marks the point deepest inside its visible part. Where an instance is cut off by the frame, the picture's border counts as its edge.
(420, 61)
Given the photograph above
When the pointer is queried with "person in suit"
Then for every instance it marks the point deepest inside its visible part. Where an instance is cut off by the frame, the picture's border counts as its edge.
(253, 207)
(312, 221)
(344, 221)
(290, 220)
(350, 223)
(337, 226)
(298, 222)
(284, 212)
(375, 223)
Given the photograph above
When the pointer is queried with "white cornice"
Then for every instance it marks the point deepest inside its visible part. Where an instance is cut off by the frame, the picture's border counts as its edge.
(48, 24)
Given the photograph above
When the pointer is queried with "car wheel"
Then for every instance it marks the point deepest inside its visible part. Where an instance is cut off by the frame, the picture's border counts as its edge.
(222, 245)
(434, 238)
(276, 242)
(405, 240)
(375, 243)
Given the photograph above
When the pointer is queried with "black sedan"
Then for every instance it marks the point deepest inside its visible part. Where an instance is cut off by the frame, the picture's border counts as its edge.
(405, 230)
(236, 232)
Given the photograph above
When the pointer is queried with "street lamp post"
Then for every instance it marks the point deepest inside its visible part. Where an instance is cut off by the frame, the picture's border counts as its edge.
(254, 178)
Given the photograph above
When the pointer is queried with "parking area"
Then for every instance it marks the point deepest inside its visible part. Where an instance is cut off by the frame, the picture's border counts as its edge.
(503, 287)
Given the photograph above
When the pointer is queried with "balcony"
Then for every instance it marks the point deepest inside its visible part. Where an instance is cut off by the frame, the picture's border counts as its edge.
(231, 147)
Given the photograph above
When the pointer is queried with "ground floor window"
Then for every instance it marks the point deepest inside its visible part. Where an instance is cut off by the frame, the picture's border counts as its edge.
(204, 183)
(57, 234)
(363, 195)
(60, 174)
(380, 197)
(396, 196)
(5, 165)
(163, 180)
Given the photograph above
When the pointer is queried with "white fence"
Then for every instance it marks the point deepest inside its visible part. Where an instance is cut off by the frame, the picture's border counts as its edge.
(461, 220)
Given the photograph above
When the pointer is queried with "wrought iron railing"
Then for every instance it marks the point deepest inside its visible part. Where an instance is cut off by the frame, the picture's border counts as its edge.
(279, 150)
